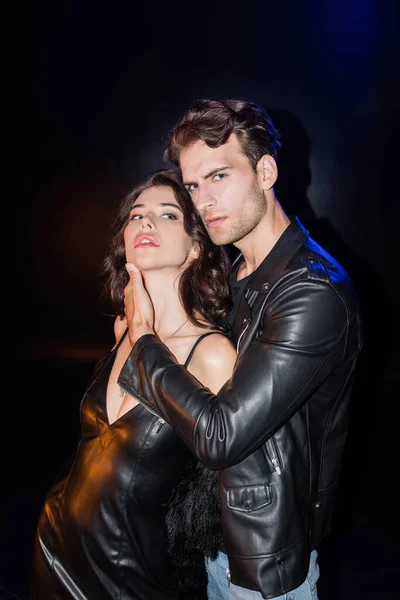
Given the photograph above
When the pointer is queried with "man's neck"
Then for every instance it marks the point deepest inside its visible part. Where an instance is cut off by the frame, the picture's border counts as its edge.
(256, 246)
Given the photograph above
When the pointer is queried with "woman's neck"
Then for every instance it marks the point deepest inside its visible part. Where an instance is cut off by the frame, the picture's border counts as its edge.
(163, 289)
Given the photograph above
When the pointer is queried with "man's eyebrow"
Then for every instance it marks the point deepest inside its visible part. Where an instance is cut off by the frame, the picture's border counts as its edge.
(215, 171)
(161, 204)
(210, 174)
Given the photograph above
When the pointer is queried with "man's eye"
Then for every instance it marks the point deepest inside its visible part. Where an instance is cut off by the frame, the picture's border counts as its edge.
(219, 176)
(190, 188)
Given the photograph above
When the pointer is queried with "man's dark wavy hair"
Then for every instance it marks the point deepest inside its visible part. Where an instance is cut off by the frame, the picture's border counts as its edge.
(213, 121)
(204, 286)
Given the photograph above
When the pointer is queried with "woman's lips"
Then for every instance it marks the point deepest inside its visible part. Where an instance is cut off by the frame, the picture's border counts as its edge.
(145, 240)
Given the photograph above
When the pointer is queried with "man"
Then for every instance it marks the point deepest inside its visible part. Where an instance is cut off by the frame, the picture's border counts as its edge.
(276, 430)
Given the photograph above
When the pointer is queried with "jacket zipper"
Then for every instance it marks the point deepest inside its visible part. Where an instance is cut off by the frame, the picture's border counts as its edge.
(241, 335)
(161, 421)
(273, 456)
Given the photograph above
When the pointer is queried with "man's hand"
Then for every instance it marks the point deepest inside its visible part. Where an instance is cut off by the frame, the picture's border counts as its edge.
(139, 309)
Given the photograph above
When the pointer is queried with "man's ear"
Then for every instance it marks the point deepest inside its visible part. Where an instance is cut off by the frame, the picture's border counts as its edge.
(267, 172)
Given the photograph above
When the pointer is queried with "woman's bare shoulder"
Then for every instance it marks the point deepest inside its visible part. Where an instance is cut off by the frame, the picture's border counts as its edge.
(213, 361)
(215, 348)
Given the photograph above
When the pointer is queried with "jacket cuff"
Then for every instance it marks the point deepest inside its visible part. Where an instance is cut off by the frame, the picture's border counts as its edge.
(143, 341)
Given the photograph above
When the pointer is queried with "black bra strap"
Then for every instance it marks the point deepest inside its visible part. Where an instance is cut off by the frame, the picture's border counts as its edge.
(197, 342)
(121, 339)
(190, 353)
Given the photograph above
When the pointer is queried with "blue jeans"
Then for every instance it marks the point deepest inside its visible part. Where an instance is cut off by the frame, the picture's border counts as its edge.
(218, 587)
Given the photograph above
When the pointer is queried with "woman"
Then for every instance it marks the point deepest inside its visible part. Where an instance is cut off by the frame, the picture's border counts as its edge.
(102, 530)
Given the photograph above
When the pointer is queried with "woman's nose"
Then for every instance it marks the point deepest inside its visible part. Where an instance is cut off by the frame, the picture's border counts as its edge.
(146, 223)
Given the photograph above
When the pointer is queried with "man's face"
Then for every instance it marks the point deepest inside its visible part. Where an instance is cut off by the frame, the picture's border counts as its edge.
(224, 188)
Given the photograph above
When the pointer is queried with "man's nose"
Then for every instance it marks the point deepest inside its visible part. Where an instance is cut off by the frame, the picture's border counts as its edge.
(204, 199)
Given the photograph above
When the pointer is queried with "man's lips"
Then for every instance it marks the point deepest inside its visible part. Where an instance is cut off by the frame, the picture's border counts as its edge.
(144, 239)
(214, 221)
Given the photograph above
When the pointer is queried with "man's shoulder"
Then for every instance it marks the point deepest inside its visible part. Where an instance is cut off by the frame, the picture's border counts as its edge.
(314, 273)
(321, 266)
(300, 261)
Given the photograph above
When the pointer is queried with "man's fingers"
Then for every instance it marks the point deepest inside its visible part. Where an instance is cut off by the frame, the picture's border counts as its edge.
(139, 309)
(130, 267)
(135, 287)
(133, 272)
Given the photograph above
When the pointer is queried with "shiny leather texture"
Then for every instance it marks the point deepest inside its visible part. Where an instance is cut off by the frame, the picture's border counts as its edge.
(102, 534)
(277, 428)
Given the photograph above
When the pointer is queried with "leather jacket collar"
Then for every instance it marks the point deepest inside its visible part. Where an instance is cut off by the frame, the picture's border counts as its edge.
(291, 240)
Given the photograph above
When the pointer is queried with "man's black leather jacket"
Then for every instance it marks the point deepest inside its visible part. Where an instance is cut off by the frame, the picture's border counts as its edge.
(277, 428)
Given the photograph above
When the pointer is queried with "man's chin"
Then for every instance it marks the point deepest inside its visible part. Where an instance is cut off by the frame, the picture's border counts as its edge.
(217, 235)
(219, 240)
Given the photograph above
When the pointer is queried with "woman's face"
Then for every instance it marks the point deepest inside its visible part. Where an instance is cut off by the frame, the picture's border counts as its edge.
(155, 237)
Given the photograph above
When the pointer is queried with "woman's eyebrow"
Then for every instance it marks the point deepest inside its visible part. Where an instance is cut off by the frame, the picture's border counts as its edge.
(161, 204)
(171, 204)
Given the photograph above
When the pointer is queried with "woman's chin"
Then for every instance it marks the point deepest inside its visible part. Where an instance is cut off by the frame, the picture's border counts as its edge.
(144, 262)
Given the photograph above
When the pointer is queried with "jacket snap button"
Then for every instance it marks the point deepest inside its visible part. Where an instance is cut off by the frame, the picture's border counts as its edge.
(245, 320)
(265, 285)
(247, 504)
(318, 505)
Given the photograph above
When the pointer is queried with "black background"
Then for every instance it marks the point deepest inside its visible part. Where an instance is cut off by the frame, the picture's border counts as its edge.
(91, 91)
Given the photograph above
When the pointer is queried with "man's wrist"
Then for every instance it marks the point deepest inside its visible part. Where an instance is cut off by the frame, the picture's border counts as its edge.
(140, 332)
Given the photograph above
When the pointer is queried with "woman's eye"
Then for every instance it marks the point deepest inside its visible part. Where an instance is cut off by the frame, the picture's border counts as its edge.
(135, 217)
(169, 216)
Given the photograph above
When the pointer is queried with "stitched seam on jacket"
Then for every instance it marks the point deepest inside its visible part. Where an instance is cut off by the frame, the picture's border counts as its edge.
(309, 379)
(332, 413)
(270, 554)
(128, 493)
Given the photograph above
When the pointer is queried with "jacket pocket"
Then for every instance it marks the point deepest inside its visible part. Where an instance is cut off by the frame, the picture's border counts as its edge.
(249, 498)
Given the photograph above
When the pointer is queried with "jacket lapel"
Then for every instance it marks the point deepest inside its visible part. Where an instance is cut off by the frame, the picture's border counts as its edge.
(252, 306)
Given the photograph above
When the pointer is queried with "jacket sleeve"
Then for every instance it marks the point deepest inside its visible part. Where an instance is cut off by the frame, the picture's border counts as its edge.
(301, 341)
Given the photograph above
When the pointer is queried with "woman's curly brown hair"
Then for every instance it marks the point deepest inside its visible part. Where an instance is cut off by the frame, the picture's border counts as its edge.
(204, 285)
